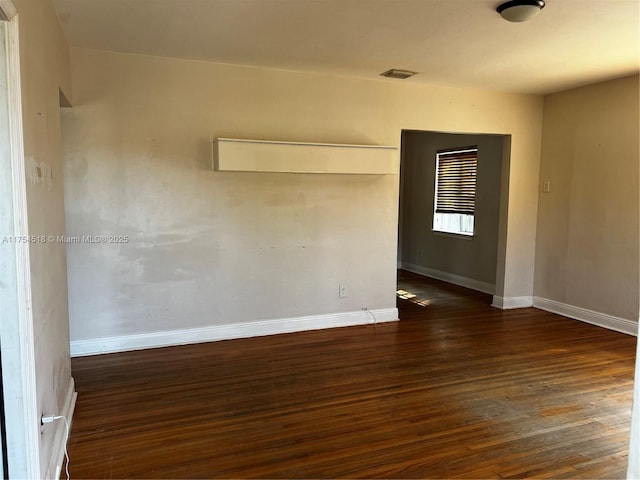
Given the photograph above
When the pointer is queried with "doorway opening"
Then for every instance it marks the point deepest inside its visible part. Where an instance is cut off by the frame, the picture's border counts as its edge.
(452, 210)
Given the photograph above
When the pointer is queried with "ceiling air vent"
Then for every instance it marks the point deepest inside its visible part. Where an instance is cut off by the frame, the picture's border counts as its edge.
(396, 73)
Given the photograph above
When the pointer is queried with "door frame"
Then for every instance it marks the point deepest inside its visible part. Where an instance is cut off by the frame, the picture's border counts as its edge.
(16, 319)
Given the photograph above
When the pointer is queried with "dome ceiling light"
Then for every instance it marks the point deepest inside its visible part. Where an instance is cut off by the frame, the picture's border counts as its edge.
(520, 10)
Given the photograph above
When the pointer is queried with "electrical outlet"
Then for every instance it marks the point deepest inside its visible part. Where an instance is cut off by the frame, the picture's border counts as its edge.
(343, 291)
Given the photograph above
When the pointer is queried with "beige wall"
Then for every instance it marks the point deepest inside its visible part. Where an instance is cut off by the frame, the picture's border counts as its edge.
(212, 248)
(45, 67)
(587, 244)
(473, 257)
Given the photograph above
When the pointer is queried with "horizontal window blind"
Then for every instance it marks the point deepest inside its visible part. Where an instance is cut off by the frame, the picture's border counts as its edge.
(456, 181)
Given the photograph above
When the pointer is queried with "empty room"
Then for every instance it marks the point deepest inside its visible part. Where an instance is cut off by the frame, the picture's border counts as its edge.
(319, 238)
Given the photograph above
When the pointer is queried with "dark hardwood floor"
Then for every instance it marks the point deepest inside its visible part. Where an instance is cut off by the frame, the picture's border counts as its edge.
(456, 389)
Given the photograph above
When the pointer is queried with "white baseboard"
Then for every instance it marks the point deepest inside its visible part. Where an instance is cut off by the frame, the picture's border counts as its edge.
(484, 287)
(508, 303)
(139, 341)
(589, 316)
(60, 437)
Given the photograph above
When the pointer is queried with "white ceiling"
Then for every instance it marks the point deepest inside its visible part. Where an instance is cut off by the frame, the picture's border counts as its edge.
(461, 43)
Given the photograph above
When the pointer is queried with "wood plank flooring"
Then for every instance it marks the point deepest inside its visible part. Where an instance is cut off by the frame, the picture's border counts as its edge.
(456, 389)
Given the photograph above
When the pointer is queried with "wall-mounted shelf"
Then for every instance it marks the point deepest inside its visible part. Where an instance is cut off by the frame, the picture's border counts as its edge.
(236, 155)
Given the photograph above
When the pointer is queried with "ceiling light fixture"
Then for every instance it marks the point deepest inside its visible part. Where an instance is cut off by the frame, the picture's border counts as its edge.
(396, 73)
(520, 10)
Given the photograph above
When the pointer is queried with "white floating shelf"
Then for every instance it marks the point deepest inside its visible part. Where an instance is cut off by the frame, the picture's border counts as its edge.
(235, 155)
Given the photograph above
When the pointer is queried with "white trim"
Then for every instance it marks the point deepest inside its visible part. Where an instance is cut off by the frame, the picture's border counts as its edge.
(610, 322)
(459, 236)
(478, 285)
(60, 437)
(633, 468)
(21, 407)
(7, 10)
(23, 262)
(138, 341)
(508, 303)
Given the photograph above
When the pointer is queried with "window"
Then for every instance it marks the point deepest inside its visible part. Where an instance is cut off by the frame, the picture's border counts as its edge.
(455, 197)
